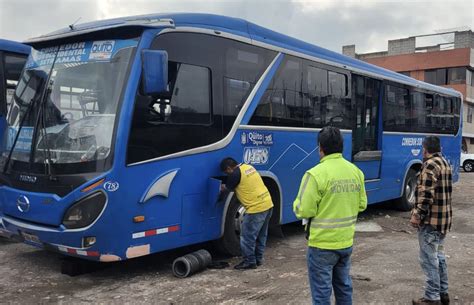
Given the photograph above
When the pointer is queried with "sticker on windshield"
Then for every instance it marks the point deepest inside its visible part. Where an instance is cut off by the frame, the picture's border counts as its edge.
(78, 52)
(23, 143)
(102, 49)
(111, 186)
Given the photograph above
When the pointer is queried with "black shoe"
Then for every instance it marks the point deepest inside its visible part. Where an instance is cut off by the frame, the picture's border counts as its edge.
(259, 263)
(245, 266)
(444, 298)
(424, 301)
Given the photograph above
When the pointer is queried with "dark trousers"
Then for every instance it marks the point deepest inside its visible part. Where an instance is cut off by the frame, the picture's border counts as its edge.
(253, 236)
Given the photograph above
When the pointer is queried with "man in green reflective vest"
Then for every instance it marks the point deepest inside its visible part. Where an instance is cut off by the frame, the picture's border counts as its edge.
(331, 196)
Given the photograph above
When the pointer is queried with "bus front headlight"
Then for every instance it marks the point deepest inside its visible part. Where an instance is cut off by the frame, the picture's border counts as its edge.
(85, 211)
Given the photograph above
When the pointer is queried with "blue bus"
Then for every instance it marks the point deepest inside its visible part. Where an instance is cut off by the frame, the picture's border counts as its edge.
(118, 126)
(12, 59)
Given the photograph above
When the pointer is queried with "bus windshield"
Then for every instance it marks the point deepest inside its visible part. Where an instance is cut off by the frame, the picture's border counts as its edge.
(65, 104)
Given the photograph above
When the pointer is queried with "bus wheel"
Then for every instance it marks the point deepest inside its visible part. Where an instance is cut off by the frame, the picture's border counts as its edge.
(468, 166)
(407, 201)
(230, 241)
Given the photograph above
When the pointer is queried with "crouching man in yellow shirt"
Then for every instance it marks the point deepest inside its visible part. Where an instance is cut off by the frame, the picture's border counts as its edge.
(252, 193)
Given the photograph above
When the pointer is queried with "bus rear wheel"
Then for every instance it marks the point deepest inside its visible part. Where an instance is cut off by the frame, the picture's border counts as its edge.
(230, 242)
(407, 201)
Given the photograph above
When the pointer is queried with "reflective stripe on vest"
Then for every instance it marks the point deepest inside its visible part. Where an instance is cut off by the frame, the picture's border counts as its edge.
(302, 192)
(333, 223)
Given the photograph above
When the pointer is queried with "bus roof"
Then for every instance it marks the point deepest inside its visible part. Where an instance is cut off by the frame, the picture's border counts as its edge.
(14, 47)
(243, 28)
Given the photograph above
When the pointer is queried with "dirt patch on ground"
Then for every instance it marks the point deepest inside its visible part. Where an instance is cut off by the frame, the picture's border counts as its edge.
(385, 269)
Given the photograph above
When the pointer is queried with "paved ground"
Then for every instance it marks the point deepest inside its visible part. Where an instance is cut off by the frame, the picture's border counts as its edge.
(385, 269)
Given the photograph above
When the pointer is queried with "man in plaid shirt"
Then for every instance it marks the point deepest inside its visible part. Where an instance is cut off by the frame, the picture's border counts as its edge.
(432, 215)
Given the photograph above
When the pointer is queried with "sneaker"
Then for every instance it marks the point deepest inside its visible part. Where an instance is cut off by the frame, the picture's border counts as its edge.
(444, 298)
(259, 263)
(244, 266)
(424, 301)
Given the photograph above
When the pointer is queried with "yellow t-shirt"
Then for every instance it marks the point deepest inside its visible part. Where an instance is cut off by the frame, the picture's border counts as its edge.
(251, 191)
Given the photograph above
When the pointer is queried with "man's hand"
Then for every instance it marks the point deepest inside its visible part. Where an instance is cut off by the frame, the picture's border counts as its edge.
(223, 188)
(415, 220)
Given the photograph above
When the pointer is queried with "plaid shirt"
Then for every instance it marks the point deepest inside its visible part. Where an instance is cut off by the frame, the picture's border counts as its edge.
(433, 193)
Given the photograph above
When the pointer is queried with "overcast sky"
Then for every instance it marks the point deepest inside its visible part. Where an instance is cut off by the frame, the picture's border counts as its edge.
(328, 23)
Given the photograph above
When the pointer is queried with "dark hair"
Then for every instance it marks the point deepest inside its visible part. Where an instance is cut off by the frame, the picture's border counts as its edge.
(228, 162)
(432, 144)
(330, 140)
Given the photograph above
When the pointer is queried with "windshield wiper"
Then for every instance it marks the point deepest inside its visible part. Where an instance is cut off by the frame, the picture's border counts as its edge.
(48, 159)
(40, 119)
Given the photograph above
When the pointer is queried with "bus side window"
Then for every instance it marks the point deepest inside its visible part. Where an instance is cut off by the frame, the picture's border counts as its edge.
(281, 105)
(419, 112)
(396, 110)
(210, 78)
(13, 67)
(339, 106)
(316, 97)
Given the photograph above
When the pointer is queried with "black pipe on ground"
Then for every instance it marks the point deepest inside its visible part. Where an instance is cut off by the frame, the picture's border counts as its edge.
(191, 263)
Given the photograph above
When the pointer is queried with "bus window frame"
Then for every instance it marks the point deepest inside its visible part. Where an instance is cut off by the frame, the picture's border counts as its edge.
(3, 85)
(304, 78)
(411, 89)
(310, 63)
(4, 79)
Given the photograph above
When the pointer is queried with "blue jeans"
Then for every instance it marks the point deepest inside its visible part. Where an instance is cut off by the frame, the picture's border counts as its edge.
(433, 262)
(253, 236)
(328, 269)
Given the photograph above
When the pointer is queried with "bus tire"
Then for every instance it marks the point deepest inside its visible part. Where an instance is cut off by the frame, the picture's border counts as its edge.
(229, 243)
(468, 166)
(407, 201)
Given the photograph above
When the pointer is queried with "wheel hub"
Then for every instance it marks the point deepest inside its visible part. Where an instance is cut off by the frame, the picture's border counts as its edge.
(410, 191)
(238, 218)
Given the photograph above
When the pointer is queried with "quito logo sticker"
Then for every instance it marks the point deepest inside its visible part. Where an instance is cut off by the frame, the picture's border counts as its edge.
(111, 186)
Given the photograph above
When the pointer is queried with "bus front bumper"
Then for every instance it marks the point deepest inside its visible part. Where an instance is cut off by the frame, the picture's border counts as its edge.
(57, 240)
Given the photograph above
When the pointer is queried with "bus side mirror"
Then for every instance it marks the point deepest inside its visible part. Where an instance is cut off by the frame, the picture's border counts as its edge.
(155, 71)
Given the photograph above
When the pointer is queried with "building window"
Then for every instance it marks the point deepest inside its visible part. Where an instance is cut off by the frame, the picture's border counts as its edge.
(471, 141)
(436, 76)
(457, 75)
(470, 110)
(470, 77)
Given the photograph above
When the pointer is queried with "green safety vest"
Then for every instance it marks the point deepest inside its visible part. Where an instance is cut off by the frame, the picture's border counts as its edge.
(331, 195)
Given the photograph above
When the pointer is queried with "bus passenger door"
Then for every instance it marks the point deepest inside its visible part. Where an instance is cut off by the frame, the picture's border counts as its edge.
(366, 145)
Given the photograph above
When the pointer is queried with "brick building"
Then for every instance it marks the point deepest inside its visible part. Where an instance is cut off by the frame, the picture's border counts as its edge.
(448, 64)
